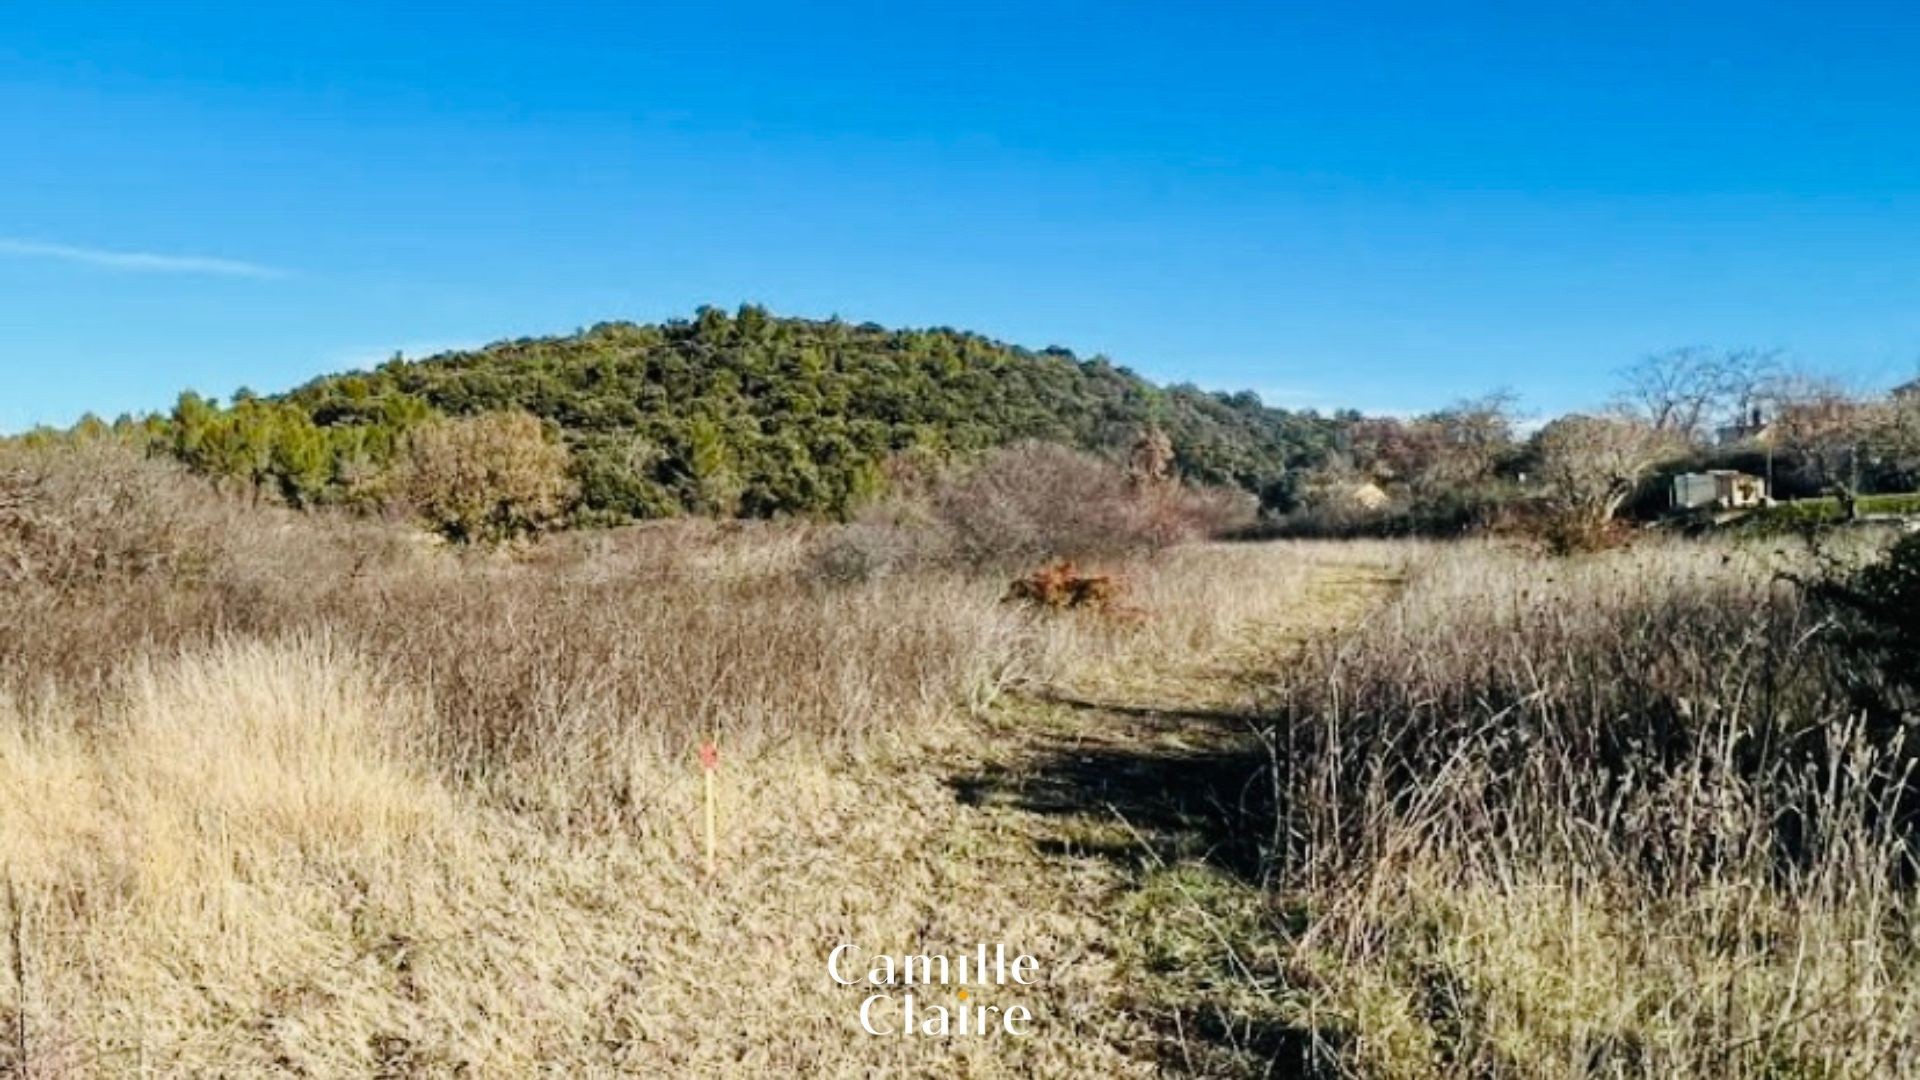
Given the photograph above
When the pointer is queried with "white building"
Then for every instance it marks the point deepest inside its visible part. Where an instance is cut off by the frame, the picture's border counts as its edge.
(1724, 489)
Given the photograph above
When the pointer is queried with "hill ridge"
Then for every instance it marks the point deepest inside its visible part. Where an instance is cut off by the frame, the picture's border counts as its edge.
(763, 415)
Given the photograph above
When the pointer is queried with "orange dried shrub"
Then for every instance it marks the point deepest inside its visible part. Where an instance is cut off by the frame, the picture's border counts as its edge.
(1062, 586)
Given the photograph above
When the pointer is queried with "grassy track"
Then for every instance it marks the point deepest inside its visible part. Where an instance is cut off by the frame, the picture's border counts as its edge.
(1129, 793)
(407, 816)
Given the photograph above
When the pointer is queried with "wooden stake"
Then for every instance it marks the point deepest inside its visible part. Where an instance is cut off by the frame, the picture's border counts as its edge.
(709, 764)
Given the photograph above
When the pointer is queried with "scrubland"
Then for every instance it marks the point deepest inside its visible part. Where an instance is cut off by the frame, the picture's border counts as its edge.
(315, 794)
(287, 793)
(1620, 815)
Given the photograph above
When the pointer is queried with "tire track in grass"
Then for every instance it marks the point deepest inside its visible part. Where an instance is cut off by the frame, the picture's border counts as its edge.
(1142, 800)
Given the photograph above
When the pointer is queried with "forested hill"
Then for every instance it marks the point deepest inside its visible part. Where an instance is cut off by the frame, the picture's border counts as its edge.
(756, 414)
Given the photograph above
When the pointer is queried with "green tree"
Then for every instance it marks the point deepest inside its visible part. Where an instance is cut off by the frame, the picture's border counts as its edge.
(302, 458)
(756, 414)
(714, 483)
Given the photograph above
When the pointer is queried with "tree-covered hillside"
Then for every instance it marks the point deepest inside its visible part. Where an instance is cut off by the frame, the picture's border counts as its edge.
(758, 415)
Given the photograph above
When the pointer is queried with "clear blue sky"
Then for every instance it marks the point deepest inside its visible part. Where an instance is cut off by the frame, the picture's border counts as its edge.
(1380, 206)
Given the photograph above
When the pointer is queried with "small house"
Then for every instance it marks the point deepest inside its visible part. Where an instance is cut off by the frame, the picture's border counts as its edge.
(1720, 489)
(1751, 427)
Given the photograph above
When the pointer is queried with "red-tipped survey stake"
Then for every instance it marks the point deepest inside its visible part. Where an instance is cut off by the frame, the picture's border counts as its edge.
(709, 764)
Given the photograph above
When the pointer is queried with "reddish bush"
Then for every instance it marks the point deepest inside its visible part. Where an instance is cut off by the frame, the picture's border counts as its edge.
(1062, 586)
(1024, 504)
(1036, 501)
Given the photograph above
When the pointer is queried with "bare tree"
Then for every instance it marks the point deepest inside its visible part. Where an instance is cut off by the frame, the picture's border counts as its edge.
(1748, 375)
(1899, 434)
(1590, 465)
(1469, 438)
(1834, 434)
(1688, 391)
(1450, 450)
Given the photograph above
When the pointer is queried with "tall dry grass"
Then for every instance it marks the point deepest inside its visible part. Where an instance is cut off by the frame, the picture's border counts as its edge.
(1609, 816)
(589, 655)
(235, 865)
(312, 795)
(304, 794)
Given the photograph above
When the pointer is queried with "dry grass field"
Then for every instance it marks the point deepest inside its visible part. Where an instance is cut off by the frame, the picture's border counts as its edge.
(1612, 816)
(297, 795)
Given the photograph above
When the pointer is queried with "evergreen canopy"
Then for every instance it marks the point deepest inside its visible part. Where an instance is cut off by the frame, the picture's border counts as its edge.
(758, 415)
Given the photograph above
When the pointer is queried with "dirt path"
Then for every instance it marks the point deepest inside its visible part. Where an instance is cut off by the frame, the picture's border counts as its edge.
(1102, 826)
(1139, 802)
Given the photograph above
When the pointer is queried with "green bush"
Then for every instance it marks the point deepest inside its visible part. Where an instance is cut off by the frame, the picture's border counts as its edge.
(1878, 609)
(1802, 514)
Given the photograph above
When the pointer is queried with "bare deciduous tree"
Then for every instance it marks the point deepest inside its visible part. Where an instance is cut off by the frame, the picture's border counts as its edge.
(1469, 439)
(1900, 433)
(1832, 433)
(1589, 465)
(1450, 450)
(1688, 391)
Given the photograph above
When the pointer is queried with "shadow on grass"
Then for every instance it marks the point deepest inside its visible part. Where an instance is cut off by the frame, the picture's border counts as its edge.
(1241, 1046)
(1182, 784)
(1151, 789)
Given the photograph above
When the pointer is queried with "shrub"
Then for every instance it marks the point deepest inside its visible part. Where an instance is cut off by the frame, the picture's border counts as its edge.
(487, 478)
(1565, 533)
(98, 512)
(1172, 513)
(1062, 586)
(1878, 607)
(1034, 501)
(1450, 514)
(1027, 504)
(1904, 503)
(868, 550)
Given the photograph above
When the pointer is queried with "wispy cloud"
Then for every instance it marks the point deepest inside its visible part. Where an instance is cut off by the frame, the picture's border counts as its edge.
(137, 260)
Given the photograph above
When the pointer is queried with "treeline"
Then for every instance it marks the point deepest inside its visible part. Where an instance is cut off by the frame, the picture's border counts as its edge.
(269, 447)
(740, 414)
(1575, 479)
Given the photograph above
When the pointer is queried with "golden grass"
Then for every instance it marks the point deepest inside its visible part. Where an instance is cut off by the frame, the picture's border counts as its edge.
(1215, 612)
(282, 795)
(1530, 970)
(331, 802)
(236, 870)
(1605, 816)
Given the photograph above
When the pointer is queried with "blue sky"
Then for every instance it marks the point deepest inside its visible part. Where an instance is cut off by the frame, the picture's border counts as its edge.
(1381, 206)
